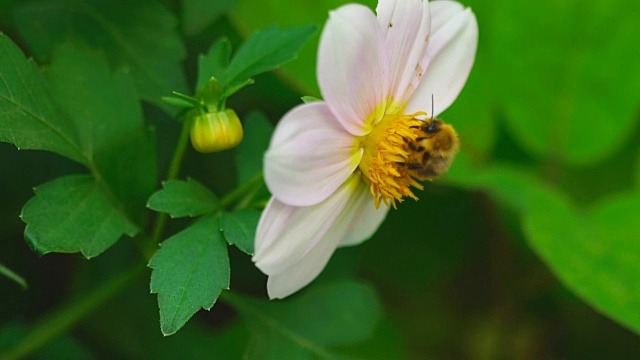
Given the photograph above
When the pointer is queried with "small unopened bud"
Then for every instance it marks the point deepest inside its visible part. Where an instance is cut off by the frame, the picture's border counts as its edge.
(216, 131)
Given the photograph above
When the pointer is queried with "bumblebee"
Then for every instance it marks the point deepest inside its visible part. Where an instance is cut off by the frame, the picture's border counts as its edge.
(433, 150)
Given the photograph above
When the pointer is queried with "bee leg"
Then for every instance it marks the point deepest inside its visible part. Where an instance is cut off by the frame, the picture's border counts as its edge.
(401, 163)
(415, 147)
(413, 166)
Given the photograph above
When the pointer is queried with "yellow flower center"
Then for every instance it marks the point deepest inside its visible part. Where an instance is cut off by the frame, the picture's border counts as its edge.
(387, 151)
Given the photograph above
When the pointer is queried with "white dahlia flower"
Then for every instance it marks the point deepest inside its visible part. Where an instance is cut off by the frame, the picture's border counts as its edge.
(336, 166)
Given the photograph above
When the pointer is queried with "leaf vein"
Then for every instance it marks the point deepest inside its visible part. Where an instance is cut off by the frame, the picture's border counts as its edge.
(184, 288)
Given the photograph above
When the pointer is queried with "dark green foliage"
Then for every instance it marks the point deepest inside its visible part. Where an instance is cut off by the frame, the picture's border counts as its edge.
(595, 254)
(251, 151)
(561, 75)
(307, 327)
(30, 120)
(198, 14)
(83, 213)
(104, 107)
(139, 37)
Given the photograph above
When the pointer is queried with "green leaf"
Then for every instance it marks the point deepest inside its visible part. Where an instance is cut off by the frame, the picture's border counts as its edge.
(13, 276)
(249, 155)
(236, 87)
(140, 37)
(74, 214)
(101, 112)
(574, 95)
(5, 5)
(198, 14)
(214, 62)
(172, 100)
(596, 254)
(510, 185)
(388, 340)
(638, 173)
(28, 116)
(181, 100)
(239, 228)
(181, 198)
(301, 73)
(105, 108)
(309, 325)
(210, 94)
(197, 340)
(265, 51)
(309, 99)
(189, 272)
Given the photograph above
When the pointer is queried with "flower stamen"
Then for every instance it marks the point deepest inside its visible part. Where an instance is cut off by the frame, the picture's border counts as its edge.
(387, 151)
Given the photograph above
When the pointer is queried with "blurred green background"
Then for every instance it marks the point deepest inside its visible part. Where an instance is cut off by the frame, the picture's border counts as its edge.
(528, 249)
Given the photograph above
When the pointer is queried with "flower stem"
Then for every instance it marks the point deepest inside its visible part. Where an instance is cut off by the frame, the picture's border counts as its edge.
(68, 316)
(239, 195)
(149, 244)
(178, 154)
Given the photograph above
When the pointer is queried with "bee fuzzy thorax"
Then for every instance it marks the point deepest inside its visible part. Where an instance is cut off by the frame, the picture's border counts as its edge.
(402, 149)
(433, 151)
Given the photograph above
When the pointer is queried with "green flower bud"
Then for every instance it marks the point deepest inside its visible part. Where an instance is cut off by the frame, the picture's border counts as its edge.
(216, 131)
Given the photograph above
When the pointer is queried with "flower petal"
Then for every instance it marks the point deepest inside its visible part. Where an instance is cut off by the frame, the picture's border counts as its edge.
(310, 156)
(307, 268)
(452, 50)
(365, 224)
(405, 25)
(352, 68)
(287, 233)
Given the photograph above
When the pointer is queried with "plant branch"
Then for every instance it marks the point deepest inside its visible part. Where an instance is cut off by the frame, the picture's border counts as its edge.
(149, 244)
(242, 191)
(178, 154)
(68, 316)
